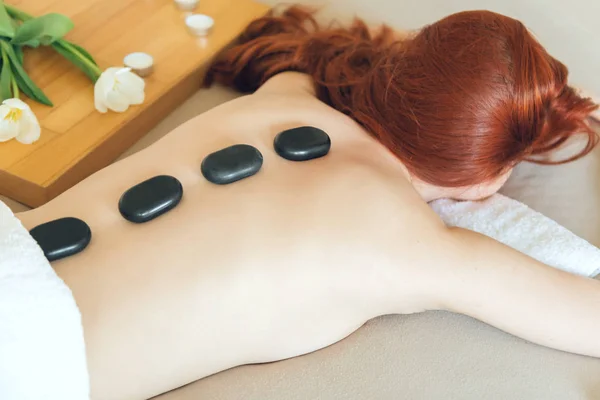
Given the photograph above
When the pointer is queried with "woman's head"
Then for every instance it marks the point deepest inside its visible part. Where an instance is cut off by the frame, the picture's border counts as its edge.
(459, 103)
(472, 95)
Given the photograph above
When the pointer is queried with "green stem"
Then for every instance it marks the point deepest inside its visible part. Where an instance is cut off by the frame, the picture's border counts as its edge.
(93, 67)
(6, 64)
(15, 87)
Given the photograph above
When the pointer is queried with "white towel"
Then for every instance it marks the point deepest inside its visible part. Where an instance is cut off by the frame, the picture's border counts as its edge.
(42, 351)
(520, 227)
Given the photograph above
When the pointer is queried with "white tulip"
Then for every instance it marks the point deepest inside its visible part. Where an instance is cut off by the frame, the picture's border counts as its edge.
(18, 121)
(117, 89)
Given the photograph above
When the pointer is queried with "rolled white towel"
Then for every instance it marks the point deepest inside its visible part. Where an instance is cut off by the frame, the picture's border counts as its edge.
(42, 350)
(526, 230)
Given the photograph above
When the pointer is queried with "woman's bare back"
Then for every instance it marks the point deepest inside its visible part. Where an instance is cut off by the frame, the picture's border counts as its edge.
(282, 263)
(279, 264)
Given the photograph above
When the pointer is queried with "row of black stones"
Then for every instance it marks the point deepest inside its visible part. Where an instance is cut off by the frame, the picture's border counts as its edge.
(152, 198)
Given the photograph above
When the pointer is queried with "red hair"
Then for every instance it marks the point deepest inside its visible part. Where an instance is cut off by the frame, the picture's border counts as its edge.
(458, 103)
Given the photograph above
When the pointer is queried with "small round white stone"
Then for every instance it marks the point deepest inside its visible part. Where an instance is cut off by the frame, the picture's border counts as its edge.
(140, 63)
(199, 24)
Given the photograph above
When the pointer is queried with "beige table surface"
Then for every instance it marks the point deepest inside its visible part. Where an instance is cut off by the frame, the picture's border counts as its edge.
(77, 140)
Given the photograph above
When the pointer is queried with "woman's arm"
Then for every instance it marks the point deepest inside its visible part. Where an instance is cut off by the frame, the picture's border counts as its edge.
(513, 292)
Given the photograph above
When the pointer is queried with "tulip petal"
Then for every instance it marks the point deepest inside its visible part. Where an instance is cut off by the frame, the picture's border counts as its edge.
(118, 88)
(99, 97)
(104, 85)
(16, 103)
(110, 73)
(8, 128)
(30, 129)
(132, 86)
(4, 110)
(116, 101)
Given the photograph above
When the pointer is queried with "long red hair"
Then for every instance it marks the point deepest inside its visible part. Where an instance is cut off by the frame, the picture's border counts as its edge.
(459, 102)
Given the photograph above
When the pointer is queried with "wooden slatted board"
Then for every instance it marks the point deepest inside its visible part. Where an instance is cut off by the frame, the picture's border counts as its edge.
(77, 140)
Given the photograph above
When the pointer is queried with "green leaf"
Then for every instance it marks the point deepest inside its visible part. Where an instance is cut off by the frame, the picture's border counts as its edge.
(25, 83)
(42, 30)
(5, 78)
(6, 24)
(19, 53)
(23, 86)
(31, 43)
(78, 62)
(83, 52)
(15, 13)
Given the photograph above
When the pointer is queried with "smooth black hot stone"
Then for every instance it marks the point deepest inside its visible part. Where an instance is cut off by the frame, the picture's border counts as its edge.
(62, 237)
(150, 199)
(302, 144)
(232, 164)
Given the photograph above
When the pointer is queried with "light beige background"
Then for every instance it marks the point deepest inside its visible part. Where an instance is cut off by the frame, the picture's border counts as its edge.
(441, 355)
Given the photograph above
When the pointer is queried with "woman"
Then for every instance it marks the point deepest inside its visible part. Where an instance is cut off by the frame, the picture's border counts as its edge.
(300, 255)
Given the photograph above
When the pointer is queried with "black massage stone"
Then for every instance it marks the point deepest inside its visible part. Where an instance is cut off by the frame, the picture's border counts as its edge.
(302, 144)
(232, 164)
(150, 199)
(62, 237)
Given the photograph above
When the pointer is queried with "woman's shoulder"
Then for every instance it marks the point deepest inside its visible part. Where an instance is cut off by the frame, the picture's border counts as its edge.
(289, 82)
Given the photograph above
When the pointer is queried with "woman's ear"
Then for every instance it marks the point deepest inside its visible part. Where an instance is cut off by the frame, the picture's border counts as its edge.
(482, 190)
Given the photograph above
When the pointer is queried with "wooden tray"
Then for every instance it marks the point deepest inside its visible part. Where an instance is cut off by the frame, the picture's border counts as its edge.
(77, 140)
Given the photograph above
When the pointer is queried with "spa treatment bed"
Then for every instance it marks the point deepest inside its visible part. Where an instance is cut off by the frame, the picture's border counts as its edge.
(432, 355)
